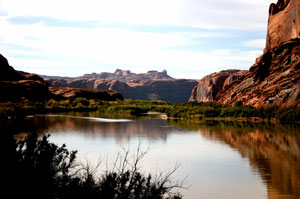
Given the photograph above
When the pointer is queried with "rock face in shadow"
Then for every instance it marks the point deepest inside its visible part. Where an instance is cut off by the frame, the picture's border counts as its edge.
(210, 85)
(152, 85)
(7, 73)
(284, 23)
(67, 92)
(15, 85)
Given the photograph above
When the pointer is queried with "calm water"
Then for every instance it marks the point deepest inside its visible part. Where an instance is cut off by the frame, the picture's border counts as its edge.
(220, 160)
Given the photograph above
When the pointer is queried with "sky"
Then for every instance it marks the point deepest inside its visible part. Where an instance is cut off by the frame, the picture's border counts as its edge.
(188, 38)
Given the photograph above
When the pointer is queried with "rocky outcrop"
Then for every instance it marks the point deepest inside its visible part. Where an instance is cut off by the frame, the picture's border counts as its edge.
(284, 23)
(274, 80)
(210, 85)
(15, 85)
(67, 93)
(152, 85)
(7, 73)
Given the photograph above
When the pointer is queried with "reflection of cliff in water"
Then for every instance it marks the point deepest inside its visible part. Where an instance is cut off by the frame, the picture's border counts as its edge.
(273, 150)
(150, 128)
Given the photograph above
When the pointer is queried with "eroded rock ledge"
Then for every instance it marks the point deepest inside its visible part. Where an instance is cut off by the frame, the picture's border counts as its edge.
(210, 85)
(274, 80)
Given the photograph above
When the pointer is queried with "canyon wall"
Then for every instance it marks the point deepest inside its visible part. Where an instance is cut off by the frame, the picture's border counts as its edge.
(274, 79)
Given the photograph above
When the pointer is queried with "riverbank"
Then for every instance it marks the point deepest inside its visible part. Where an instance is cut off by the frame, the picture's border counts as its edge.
(168, 110)
(239, 119)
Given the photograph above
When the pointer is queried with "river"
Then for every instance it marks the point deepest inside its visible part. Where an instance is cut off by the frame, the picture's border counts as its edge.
(217, 159)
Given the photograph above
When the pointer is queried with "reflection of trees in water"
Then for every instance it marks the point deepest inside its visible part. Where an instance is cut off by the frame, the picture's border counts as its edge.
(273, 150)
(150, 128)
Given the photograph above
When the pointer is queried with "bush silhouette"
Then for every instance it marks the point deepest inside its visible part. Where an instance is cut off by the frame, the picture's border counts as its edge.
(37, 169)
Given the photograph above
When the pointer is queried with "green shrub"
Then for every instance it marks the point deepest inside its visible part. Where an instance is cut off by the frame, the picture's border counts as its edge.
(83, 101)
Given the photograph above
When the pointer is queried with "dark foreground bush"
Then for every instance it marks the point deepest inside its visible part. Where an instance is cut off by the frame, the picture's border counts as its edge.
(37, 169)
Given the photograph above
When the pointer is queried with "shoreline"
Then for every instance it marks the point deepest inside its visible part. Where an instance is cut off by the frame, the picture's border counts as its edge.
(239, 119)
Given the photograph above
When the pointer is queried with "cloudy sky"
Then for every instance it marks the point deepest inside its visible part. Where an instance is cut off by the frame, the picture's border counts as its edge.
(188, 38)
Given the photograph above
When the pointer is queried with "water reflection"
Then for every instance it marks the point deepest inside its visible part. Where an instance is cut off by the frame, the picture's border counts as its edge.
(215, 154)
(273, 150)
(92, 126)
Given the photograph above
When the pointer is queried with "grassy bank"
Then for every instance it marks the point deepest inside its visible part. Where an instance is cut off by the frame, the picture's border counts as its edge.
(196, 110)
(186, 110)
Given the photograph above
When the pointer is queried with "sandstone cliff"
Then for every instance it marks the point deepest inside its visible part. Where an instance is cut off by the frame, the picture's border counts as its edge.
(274, 80)
(284, 23)
(210, 85)
(152, 85)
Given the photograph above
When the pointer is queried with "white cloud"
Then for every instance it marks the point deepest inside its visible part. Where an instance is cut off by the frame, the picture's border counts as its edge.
(256, 43)
(74, 51)
(197, 13)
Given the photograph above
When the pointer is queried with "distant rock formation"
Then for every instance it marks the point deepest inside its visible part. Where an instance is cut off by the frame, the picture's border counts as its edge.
(127, 75)
(274, 80)
(210, 85)
(152, 85)
(17, 84)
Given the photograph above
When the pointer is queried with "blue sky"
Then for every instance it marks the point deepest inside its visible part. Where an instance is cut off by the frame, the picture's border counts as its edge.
(188, 38)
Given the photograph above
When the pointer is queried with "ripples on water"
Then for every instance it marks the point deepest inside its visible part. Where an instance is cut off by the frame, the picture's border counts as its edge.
(221, 159)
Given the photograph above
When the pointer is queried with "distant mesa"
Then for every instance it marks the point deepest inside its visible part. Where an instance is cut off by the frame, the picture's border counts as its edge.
(152, 85)
(274, 80)
(125, 75)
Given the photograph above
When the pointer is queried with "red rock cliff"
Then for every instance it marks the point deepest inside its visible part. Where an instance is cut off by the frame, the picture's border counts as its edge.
(210, 85)
(274, 80)
(284, 23)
